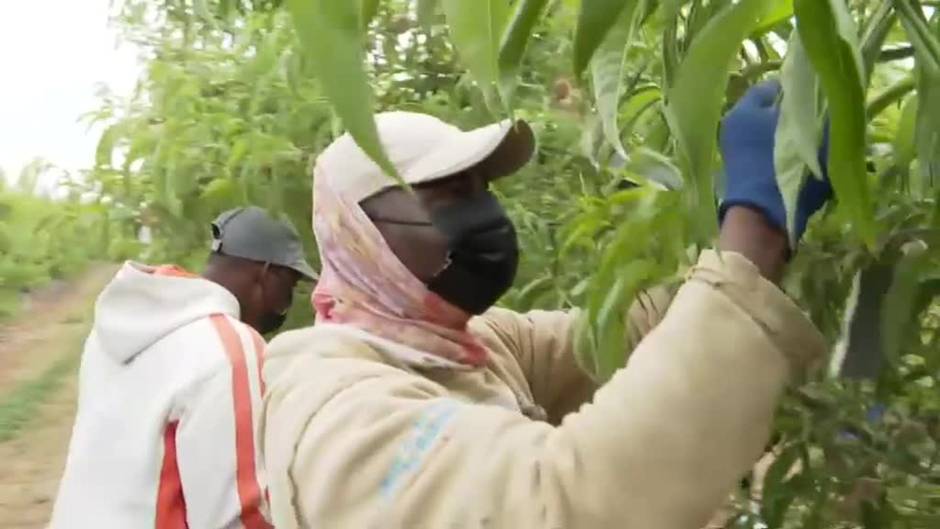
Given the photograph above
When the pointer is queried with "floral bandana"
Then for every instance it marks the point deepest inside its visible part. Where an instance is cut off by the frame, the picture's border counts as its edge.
(363, 284)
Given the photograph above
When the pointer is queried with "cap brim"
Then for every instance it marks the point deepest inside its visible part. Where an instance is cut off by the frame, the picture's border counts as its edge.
(305, 270)
(497, 150)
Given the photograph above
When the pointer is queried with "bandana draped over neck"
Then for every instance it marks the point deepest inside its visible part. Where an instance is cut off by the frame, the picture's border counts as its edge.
(364, 285)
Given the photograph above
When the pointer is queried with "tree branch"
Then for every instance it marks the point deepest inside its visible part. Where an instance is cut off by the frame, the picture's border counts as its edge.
(894, 54)
(754, 71)
(891, 95)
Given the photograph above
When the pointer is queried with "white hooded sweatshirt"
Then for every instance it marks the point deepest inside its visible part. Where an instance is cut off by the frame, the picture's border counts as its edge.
(169, 395)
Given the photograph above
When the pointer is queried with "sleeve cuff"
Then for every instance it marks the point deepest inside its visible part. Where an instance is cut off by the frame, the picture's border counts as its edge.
(781, 319)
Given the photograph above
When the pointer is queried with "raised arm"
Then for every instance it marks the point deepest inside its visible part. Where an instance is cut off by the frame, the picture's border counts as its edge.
(544, 346)
(661, 444)
(355, 443)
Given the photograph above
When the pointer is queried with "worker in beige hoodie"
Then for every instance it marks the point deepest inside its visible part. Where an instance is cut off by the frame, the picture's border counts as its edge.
(414, 404)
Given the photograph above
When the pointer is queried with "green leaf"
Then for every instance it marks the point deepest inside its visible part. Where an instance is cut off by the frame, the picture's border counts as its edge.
(671, 8)
(141, 145)
(528, 293)
(926, 42)
(426, 10)
(201, 9)
(928, 127)
(695, 99)
(607, 70)
(105, 147)
(776, 495)
(897, 318)
(476, 28)
(654, 167)
(368, 11)
(889, 96)
(780, 11)
(220, 192)
(595, 20)
(625, 267)
(796, 145)
(670, 51)
(512, 47)
(698, 16)
(331, 35)
(166, 193)
(4, 240)
(612, 315)
(876, 31)
(642, 99)
(904, 139)
(831, 42)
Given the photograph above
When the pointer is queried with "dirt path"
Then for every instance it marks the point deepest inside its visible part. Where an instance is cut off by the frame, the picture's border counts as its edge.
(38, 361)
(49, 314)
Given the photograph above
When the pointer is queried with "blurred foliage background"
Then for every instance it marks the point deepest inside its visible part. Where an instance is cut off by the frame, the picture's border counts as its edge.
(42, 240)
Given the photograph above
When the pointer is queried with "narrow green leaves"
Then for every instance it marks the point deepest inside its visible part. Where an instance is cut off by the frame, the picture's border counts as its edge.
(641, 99)
(890, 96)
(369, 9)
(831, 43)
(670, 8)
(596, 18)
(654, 167)
(876, 31)
(514, 41)
(904, 140)
(628, 264)
(928, 127)
(694, 101)
(331, 34)
(780, 11)
(926, 42)
(611, 323)
(426, 9)
(105, 149)
(607, 68)
(777, 497)
(797, 141)
(897, 318)
(492, 55)
(924, 38)
(476, 28)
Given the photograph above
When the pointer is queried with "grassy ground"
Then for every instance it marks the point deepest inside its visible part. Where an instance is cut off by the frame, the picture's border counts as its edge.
(39, 355)
(24, 400)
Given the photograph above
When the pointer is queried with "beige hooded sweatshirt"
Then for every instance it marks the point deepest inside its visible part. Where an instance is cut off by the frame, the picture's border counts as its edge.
(359, 433)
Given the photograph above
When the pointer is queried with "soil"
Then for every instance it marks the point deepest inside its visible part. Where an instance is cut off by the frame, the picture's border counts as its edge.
(53, 325)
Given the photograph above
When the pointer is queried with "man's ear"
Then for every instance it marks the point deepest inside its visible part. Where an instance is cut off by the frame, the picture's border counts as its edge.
(263, 270)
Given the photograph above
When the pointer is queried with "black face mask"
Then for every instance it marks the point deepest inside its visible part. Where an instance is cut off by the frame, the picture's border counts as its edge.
(271, 322)
(483, 253)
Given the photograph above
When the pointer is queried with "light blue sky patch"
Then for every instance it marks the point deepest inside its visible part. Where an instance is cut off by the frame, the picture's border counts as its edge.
(411, 454)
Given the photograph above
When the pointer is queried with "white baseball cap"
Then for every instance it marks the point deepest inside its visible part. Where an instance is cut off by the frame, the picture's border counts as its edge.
(423, 149)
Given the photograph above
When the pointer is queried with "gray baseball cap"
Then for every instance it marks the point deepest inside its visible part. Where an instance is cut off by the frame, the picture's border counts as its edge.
(251, 233)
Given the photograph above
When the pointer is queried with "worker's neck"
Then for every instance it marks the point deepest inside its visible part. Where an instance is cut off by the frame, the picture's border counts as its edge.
(225, 280)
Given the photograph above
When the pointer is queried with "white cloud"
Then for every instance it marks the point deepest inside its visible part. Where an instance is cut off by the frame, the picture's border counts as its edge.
(53, 56)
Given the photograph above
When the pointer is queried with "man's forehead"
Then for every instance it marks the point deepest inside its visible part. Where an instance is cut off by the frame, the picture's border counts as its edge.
(438, 183)
(397, 195)
(466, 174)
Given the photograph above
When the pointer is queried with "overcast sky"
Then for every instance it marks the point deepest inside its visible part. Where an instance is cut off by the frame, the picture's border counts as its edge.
(53, 54)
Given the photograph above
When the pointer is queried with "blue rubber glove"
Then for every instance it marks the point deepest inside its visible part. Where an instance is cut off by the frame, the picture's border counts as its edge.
(873, 416)
(747, 145)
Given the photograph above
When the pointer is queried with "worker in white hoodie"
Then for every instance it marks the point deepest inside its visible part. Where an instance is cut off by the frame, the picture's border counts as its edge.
(170, 387)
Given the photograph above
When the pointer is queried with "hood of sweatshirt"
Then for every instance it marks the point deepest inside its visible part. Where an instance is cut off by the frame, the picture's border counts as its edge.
(143, 304)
